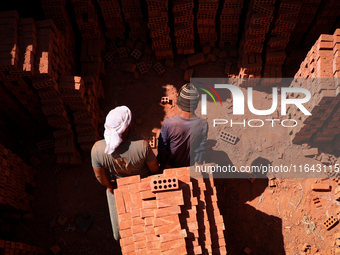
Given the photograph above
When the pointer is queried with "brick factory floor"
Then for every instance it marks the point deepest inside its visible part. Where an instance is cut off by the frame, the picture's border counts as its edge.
(268, 220)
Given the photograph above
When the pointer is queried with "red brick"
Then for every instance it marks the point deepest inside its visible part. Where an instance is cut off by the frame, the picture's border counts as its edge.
(126, 241)
(167, 228)
(144, 213)
(149, 230)
(145, 185)
(128, 180)
(310, 152)
(321, 187)
(140, 245)
(176, 251)
(196, 59)
(124, 217)
(127, 248)
(173, 235)
(148, 221)
(134, 188)
(137, 228)
(188, 74)
(172, 244)
(170, 202)
(153, 245)
(165, 220)
(167, 211)
(125, 233)
(147, 194)
(125, 224)
(149, 204)
(137, 221)
(169, 194)
(136, 202)
(152, 238)
(139, 237)
(119, 201)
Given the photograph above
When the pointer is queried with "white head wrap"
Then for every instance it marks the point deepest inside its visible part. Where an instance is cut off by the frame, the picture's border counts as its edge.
(116, 123)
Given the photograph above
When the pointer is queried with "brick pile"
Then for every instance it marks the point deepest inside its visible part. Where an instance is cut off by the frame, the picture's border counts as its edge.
(275, 50)
(56, 10)
(7, 247)
(229, 21)
(304, 19)
(84, 107)
(159, 29)
(18, 48)
(87, 19)
(184, 26)
(134, 16)
(325, 20)
(259, 17)
(322, 67)
(112, 14)
(175, 221)
(15, 177)
(206, 25)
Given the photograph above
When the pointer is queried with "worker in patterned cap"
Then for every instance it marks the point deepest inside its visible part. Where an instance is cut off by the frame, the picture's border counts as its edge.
(185, 135)
(121, 156)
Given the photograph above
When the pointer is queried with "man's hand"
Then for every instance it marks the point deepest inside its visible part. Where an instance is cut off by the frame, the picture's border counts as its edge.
(102, 178)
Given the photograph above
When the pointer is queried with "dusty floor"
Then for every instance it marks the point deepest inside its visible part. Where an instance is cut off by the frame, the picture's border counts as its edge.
(267, 220)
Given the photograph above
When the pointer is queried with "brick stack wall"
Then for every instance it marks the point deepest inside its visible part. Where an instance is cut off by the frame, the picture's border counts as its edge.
(322, 67)
(87, 19)
(206, 21)
(18, 48)
(306, 15)
(184, 26)
(229, 20)
(112, 14)
(181, 221)
(325, 20)
(7, 247)
(279, 38)
(15, 175)
(159, 29)
(259, 17)
(134, 17)
(57, 11)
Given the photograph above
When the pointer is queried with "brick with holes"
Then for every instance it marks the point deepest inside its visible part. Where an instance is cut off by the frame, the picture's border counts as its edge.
(159, 68)
(224, 136)
(163, 184)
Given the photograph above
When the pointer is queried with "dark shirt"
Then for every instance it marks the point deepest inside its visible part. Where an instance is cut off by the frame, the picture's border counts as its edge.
(181, 138)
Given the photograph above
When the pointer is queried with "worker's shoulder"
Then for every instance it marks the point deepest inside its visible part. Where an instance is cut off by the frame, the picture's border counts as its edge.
(99, 145)
(137, 141)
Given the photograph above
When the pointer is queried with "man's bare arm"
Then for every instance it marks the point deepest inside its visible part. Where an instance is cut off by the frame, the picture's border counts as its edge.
(102, 178)
(153, 166)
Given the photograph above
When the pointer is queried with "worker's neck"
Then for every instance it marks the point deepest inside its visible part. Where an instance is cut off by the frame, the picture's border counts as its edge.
(187, 115)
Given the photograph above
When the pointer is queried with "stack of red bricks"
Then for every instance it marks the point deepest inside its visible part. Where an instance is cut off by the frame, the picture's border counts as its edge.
(159, 29)
(275, 51)
(7, 247)
(87, 19)
(206, 25)
(112, 14)
(230, 17)
(56, 10)
(15, 177)
(185, 220)
(325, 20)
(304, 19)
(85, 112)
(18, 51)
(259, 18)
(322, 68)
(184, 26)
(134, 16)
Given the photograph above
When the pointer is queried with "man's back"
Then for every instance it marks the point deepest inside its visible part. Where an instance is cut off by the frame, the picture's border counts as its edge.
(128, 159)
(178, 135)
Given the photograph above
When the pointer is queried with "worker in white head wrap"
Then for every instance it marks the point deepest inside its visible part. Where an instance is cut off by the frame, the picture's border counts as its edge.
(117, 121)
